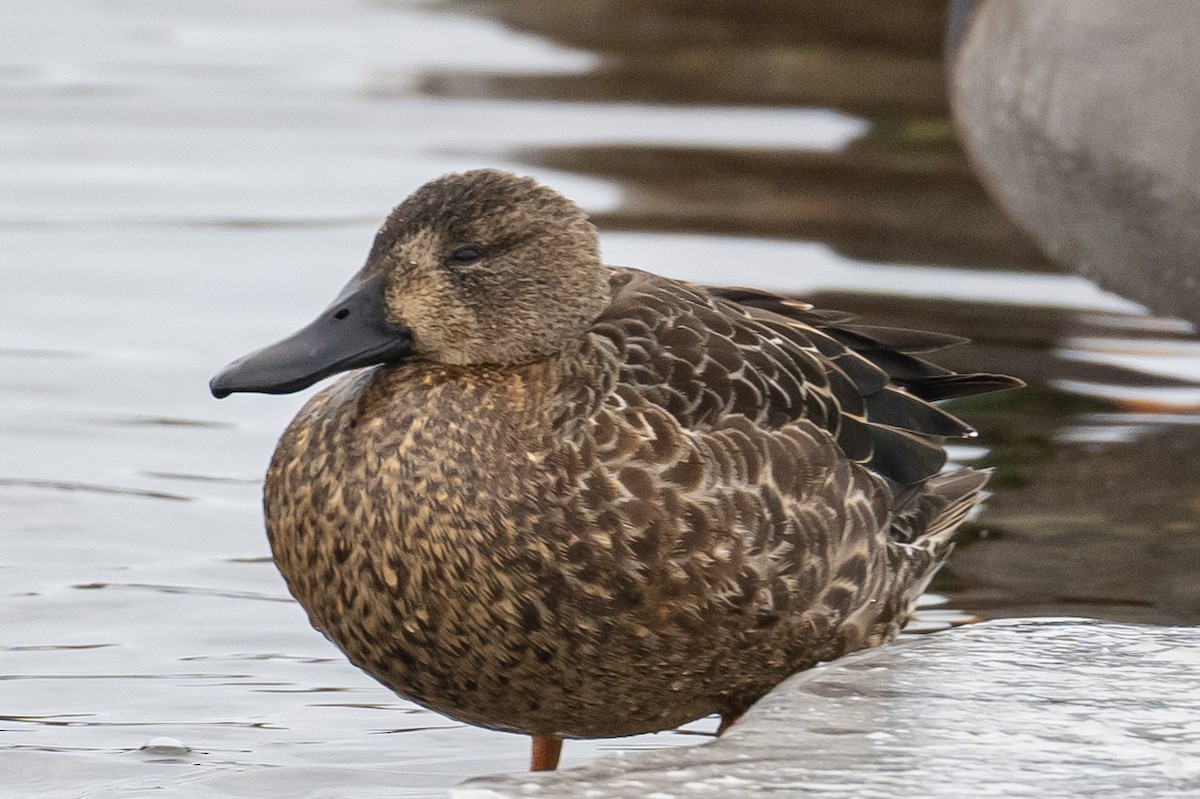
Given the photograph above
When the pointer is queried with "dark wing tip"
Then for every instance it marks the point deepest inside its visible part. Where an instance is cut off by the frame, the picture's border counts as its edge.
(940, 387)
(882, 390)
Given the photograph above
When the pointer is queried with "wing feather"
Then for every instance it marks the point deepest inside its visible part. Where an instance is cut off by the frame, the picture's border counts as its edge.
(704, 354)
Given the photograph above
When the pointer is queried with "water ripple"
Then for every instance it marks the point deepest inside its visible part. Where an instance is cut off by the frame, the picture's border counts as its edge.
(185, 589)
(90, 488)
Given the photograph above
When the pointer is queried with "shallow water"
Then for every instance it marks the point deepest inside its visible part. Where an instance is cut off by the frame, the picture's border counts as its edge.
(1043, 718)
(184, 182)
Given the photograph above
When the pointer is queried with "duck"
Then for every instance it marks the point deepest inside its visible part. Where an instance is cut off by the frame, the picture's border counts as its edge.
(569, 500)
(1079, 119)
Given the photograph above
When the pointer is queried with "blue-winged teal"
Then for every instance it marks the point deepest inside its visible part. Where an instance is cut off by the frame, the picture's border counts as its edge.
(571, 500)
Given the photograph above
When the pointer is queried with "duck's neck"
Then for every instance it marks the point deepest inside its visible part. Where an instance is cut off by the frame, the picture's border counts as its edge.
(435, 440)
(490, 401)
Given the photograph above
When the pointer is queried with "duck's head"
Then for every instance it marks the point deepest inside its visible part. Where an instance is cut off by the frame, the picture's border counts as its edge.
(481, 267)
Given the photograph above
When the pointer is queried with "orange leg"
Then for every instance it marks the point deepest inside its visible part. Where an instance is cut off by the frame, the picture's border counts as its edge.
(546, 749)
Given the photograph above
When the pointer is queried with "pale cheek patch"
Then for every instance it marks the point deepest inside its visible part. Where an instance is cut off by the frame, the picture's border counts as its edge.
(427, 306)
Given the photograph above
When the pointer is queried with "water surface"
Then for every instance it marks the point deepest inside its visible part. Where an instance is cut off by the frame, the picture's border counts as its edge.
(184, 182)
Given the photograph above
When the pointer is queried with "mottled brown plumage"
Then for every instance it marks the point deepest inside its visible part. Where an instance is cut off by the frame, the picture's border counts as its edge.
(596, 502)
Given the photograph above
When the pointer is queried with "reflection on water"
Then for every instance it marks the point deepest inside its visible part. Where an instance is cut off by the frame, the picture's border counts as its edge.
(901, 192)
(184, 184)
(862, 57)
(877, 199)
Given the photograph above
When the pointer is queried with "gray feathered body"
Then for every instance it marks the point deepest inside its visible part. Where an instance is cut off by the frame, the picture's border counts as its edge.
(712, 490)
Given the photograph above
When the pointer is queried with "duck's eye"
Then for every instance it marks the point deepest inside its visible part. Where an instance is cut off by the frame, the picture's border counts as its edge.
(466, 255)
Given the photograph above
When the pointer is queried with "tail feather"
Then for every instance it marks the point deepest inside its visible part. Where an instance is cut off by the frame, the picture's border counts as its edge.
(926, 526)
(962, 491)
(929, 515)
